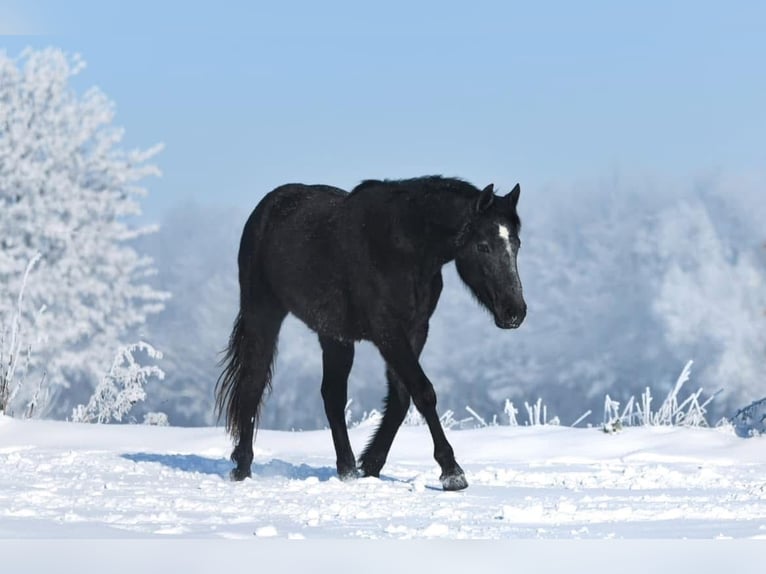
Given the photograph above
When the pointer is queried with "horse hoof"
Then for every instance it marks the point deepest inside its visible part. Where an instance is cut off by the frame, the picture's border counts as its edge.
(369, 472)
(371, 467)
(347, 475)
(454, 481)
(238, 474)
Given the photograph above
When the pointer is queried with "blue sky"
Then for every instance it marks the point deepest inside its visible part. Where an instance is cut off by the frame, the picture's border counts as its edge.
(249, 95)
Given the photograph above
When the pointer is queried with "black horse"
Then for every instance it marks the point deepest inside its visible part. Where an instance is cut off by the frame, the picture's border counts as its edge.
(364, 265)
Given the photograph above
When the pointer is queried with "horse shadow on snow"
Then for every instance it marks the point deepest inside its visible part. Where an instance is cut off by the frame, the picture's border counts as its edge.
(222, 467)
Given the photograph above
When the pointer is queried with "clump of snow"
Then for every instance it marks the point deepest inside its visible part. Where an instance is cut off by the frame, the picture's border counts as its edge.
(156, 419)
(266, 532)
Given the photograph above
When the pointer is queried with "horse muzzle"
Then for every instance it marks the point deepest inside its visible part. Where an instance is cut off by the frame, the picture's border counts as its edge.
(511, 317)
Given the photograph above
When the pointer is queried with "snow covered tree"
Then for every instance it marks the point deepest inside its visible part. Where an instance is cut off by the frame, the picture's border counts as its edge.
(68, 191)
(709, 299)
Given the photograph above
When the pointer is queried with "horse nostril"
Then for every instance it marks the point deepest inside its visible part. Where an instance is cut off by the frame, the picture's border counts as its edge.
(511, 316)
(515, 316)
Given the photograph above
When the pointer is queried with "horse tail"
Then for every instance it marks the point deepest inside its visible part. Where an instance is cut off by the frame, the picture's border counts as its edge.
(228, 388)
(248, 359)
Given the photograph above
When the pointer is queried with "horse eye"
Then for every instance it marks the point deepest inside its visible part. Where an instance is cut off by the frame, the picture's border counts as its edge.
(483, 247)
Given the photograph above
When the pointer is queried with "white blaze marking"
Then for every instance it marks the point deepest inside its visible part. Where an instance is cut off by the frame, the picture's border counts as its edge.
(505, 236)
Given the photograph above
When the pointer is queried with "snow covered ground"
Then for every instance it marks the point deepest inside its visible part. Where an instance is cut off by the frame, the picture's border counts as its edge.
(66, 480)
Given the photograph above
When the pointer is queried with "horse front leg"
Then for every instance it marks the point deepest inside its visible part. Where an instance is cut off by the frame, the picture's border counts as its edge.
(401, 358)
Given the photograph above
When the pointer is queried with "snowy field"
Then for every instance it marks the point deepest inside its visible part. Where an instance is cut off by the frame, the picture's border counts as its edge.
(66, 480)
(113, 498)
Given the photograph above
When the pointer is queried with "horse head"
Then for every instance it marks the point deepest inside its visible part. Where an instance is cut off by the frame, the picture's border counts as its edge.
(486, 256)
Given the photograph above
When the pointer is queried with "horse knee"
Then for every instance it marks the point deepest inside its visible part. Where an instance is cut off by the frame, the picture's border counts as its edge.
(331, 395)
(425, 399)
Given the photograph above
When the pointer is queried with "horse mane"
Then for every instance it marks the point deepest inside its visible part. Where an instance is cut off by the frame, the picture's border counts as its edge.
(368, 183)
(425, 184)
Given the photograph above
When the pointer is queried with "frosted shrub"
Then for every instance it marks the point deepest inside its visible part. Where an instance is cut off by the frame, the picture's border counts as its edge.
(14, 351)
(121, 388)
(691, 411)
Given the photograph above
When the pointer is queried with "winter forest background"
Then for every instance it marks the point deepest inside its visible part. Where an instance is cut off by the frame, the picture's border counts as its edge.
(626, 276)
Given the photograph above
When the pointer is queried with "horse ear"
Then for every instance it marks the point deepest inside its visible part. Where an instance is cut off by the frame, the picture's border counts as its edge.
(513, 196)
(486, 198)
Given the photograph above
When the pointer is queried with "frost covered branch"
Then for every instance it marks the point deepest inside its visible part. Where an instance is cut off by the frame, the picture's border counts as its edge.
(12, 347)
(121, 387)
(689, 412)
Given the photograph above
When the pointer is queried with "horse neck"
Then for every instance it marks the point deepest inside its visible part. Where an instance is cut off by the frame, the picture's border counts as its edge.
(446, 225)
(424, 226)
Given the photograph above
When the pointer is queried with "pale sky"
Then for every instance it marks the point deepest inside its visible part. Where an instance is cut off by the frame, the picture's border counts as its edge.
(250, 95)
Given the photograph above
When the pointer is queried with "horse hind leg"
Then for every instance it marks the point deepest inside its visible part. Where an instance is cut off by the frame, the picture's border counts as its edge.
(247, 376)
(397, 404)
(337, 359)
